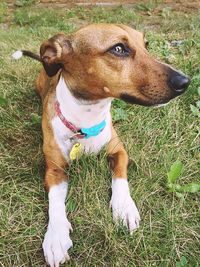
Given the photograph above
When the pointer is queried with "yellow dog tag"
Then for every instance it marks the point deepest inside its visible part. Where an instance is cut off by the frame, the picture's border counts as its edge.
(76, 151)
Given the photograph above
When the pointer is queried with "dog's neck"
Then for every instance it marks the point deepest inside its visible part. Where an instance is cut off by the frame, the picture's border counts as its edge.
(80, 112)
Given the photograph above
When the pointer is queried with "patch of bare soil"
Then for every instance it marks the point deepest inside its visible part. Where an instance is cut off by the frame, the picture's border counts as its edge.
(184, 5)
(181, 5)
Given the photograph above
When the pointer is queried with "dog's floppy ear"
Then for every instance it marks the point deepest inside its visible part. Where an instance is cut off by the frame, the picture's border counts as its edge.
(53, 53)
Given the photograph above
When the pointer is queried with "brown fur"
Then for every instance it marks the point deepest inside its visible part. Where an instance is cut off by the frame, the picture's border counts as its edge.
(93, 73)
(117, 156)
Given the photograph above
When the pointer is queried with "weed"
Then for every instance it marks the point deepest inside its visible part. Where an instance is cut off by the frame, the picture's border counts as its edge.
(3, 101)
(173, 175)
(196, 108)
(182, 263)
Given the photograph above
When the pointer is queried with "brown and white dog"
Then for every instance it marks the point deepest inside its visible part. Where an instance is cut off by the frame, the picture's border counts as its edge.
(82, 73)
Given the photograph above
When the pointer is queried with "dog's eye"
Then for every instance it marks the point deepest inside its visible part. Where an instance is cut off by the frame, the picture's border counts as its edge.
(120, 50)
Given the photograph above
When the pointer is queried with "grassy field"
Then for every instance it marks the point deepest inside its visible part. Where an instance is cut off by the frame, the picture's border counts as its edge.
(154, 138)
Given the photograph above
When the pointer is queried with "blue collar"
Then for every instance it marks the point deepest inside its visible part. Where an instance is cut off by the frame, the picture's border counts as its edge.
(94, 130)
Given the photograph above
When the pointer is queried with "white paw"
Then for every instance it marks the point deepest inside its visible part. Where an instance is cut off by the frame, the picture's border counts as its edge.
(57, 243)
(123, 207)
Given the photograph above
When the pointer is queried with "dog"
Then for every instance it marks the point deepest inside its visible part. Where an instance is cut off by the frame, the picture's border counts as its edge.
(81, 75)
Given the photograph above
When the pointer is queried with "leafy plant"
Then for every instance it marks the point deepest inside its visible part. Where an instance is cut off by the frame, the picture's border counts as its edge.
(119, 111)
(35, 118)
(173, 175)
(196, 108)
(3, 101)
(182, 263)
(119, 114)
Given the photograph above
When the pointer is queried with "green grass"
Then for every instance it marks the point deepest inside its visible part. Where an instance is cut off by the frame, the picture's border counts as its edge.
(3, 11)
(154, 139)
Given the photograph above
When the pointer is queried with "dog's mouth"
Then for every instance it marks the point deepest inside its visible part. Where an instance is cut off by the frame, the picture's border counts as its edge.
(145, 102)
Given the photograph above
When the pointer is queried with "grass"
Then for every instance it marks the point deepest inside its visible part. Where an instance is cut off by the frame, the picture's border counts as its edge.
(2, 11)
(154, 139)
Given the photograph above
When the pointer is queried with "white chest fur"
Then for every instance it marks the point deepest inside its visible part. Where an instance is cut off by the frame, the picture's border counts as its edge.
(81, 114)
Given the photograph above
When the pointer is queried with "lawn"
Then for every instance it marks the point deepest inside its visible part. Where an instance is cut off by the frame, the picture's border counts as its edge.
(169, 234)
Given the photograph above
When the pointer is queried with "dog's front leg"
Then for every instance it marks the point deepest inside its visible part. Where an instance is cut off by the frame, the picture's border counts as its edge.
(57, 240)
(123, 207)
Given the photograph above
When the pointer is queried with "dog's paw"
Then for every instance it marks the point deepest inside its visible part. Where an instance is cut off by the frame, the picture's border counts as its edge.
(57, 243)
(124, 210)
(123, 207)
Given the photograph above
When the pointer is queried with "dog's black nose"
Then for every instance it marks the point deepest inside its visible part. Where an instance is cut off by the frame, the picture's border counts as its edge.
(179, 83)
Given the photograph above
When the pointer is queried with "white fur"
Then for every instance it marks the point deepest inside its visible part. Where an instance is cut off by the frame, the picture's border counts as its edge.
(81, 114)
(57, 240)
(17, 55)
(123, 207)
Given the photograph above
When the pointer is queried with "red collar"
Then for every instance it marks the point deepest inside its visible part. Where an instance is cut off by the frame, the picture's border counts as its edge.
(77, 132)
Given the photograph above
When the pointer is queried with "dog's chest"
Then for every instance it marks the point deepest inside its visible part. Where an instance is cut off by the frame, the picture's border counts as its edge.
(64, 138)
(85, 115)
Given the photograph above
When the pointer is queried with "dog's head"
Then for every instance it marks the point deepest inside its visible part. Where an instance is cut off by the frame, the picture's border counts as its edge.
(106, 60)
